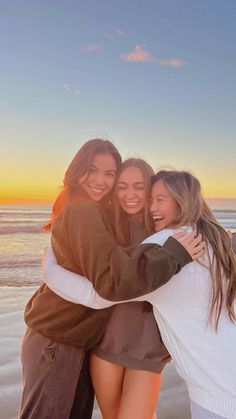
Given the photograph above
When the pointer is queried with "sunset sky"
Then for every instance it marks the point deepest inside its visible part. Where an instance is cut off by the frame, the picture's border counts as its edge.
(157, 77)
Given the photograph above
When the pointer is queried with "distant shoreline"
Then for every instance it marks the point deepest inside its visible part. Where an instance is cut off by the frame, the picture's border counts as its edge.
(223, 210)
(27, 202)
(216, 204)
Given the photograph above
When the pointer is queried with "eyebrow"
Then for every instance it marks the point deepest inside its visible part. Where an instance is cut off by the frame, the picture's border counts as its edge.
(125, 183)
(109, 170)
(159, 195)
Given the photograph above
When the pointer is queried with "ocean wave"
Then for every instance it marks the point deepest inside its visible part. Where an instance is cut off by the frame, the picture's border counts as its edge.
(20, 263)
(11, 229)
(23, 221)
(18, 214)
(8, 282)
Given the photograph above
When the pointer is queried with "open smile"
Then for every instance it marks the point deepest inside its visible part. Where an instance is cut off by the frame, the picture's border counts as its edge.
(131, 204)
(96, 190)
(157, 218)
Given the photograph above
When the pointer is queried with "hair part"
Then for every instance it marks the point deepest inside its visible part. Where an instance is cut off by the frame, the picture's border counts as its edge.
(194, 212)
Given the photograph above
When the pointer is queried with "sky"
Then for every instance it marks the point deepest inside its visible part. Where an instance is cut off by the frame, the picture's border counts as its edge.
(157, 77)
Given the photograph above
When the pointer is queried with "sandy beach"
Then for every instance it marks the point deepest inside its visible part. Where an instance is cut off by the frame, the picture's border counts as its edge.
(173, 402)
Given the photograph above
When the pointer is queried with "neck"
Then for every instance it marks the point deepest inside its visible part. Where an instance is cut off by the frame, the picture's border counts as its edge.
(138, 216)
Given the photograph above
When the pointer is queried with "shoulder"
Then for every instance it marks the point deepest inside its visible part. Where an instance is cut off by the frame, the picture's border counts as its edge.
(84, 213)
(161, 236)
(84, 206)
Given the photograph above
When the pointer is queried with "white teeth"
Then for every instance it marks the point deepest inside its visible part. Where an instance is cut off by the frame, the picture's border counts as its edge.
(96, 190)
(157, 218)
(131, 204)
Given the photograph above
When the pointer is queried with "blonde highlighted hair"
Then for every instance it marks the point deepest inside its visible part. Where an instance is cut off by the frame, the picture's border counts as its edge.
(120, 215)
(194, 211)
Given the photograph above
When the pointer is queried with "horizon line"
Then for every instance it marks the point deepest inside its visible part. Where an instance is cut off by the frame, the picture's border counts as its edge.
(48, 201)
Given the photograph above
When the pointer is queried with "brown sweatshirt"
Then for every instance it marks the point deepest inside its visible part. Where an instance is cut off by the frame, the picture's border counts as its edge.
(83, 242)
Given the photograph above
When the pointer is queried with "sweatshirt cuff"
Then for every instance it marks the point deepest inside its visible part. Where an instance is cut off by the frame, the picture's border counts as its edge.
(178, 251)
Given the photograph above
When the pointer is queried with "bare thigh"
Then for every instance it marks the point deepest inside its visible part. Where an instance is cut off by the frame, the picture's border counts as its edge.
(139, 394)
(107, 379)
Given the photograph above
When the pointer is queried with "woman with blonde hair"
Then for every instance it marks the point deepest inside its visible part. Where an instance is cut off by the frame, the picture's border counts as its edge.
(131, 355)
(196, 309)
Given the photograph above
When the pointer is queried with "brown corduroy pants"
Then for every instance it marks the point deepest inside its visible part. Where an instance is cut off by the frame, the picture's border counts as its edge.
(56, 380)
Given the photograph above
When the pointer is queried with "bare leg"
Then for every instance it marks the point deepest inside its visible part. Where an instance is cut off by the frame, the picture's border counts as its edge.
(139, 394)
(107, 379)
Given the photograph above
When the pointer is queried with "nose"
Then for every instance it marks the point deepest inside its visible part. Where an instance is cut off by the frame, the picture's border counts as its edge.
(99, 179)
(130, 193)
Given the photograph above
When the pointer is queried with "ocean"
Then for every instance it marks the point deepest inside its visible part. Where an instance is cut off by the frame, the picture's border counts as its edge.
(22, 241)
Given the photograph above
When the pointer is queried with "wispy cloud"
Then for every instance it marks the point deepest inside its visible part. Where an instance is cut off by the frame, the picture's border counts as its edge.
(91, 48)
(119, 31)
(174, 62)
(70, 89)
(115, 33)
(67, 87)
(138, 54)
(109, 36)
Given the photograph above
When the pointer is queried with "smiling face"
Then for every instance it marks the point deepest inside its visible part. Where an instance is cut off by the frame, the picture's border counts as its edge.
(101, 177)
(164, 208)
(131, 191)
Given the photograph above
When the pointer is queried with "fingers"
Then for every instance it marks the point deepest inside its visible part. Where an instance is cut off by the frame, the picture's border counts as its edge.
(192, 242)
(198, 251)
(198, 255)
(230, 234)
(192, 239)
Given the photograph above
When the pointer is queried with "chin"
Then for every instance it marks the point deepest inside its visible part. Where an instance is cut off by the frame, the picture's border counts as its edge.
(95, 197)
(130, 211)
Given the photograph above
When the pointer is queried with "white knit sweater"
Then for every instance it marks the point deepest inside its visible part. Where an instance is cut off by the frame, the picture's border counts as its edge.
(206, 360)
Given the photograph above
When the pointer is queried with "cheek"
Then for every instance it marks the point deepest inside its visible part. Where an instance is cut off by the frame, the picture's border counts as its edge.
(143, 197)
(175, 210)
(173, 213)
(110, 183)
(178, 210)
(83, 179)
(119, 196)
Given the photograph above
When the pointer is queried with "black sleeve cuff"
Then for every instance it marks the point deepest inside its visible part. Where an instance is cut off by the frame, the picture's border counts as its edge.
(178, 251)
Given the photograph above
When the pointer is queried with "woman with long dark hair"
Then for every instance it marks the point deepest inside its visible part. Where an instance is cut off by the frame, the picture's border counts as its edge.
(56, 382)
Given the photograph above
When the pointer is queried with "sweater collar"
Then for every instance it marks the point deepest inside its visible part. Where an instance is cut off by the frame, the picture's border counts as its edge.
(160, 237)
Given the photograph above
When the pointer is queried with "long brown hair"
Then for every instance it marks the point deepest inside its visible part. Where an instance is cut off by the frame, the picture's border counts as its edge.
(80, 166)
(120, 215)
(195, 212)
